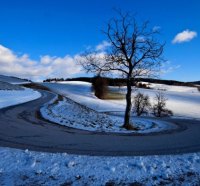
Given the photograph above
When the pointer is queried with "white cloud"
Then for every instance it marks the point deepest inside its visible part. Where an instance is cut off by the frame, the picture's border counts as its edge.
(168, 67)
(46, 67)
(102, 46)
(184, 36)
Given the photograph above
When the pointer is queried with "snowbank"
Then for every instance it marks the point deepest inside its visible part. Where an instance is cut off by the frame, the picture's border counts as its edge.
(18, 167)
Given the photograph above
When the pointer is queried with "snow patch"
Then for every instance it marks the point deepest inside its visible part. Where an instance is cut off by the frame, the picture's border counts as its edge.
(18, 167)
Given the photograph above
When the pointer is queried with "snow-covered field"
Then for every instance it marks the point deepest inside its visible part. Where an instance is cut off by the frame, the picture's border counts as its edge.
(180, 98)
(19, 167)
(11, 94)
(92, 116)
(183, 101)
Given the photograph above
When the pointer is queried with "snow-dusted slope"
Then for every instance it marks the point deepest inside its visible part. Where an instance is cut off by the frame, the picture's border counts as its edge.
(11, 94)
(183, 101)
(12, 80)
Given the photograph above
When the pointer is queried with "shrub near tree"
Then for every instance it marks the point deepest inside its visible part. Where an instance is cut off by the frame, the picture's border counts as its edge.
(141, 104)
(100, 87)
(159, 108)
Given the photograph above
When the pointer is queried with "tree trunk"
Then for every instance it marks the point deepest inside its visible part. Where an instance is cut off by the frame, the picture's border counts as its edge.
(128, 105)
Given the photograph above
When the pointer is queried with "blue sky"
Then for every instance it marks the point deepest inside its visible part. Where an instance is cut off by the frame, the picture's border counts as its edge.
(33, 31)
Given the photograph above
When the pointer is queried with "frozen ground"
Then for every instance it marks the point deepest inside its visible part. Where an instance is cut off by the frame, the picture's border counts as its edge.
(18, 167)
(179, 98)
(14, 94)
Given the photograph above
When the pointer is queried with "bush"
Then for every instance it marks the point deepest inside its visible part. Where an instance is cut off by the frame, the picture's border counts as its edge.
(159, 108)
(100, 87)
(141, 104)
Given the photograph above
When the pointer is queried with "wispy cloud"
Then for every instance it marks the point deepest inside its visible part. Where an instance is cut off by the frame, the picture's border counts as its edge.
(168, 67)
(184, 36)
(102, 46)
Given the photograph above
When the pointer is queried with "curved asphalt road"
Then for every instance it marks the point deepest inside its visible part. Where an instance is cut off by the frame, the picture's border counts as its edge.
(20, 127)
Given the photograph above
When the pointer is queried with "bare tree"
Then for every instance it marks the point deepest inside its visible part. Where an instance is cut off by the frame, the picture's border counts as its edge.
(159, 108)
(141, 104)
(134, 52)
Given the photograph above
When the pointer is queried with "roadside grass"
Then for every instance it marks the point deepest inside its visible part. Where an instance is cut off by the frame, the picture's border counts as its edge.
(113, 95)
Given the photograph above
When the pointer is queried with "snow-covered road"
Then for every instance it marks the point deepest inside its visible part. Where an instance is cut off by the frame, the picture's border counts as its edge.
(21, 127)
